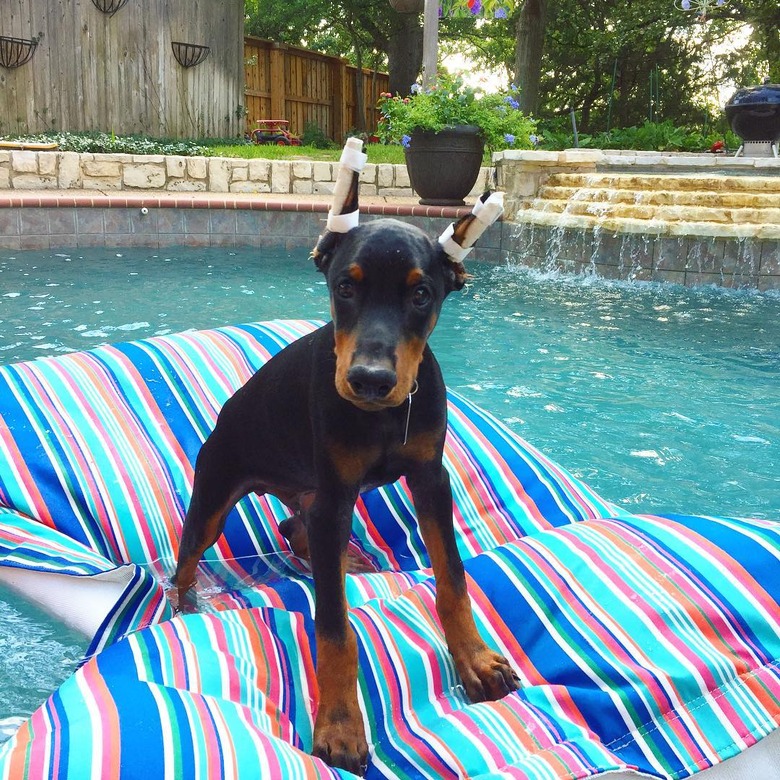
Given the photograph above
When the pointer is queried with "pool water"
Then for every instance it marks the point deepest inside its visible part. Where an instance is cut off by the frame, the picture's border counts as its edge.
(663, 398)
(36, 655)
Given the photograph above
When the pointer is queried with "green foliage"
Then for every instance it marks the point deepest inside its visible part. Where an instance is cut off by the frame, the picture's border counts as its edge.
(600, 57)
(109, 143)
(355, 29)
(650, 136)
(314, 135)
(451, 102)
(466, 8)
(377, 153)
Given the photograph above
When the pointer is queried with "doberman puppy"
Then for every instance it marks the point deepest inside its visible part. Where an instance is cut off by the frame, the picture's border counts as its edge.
(358, 403)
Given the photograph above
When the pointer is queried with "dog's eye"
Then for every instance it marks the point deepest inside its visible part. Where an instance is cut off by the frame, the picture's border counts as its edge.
(421, 296)
(345, 289)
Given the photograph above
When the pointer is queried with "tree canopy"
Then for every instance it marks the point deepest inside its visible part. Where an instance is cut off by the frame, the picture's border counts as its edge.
(616, 63)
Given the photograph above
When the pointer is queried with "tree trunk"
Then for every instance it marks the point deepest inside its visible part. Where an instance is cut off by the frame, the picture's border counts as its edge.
(529, 45)
(360, 102)
(404, 53)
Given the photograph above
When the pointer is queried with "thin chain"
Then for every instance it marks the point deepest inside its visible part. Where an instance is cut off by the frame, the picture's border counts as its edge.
(409, 410)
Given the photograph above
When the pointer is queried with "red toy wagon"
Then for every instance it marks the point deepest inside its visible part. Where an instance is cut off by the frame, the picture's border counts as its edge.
(274, 131)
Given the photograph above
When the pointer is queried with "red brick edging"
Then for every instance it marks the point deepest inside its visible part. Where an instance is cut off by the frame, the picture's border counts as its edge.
(17, 199)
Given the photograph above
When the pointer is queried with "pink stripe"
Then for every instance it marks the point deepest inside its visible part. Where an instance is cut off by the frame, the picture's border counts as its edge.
(394, 682)
(640, 665)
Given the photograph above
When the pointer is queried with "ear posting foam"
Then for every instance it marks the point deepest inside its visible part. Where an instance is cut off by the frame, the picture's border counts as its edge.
(344, 212)
(459, 237)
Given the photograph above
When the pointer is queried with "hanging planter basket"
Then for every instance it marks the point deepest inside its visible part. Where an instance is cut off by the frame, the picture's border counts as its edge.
(15, 52)
(188, 55)
(109, 7)
(444, 167)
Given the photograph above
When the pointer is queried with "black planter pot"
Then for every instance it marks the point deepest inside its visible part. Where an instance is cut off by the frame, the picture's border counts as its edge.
(444, 166)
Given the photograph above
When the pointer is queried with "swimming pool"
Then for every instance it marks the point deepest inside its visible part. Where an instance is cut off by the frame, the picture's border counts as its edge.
(663, 398)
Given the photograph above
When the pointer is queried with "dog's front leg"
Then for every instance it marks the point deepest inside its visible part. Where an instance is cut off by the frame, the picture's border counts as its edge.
(485, 674)
(339, 733)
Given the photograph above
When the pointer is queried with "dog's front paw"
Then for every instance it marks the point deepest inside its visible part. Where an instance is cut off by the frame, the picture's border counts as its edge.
(340, 741)
(486, 675)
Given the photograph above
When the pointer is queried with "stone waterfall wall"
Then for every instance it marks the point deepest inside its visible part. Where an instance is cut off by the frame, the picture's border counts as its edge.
(688, 219)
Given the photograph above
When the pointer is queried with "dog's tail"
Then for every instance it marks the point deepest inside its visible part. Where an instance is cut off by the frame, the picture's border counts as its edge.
(344, 212)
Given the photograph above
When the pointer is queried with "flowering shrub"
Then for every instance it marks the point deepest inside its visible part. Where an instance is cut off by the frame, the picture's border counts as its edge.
(498, 9)
(451, 102)
(114, 144)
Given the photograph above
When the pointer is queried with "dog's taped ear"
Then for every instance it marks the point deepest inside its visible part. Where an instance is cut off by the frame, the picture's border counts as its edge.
(459, 238)
(344, 212)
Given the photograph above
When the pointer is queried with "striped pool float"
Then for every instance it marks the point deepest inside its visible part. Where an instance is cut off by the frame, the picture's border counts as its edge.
(643, 643)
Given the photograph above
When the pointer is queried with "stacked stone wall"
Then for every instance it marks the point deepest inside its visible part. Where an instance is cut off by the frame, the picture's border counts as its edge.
(49, 170)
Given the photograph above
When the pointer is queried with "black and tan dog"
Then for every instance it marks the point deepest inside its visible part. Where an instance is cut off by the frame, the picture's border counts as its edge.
(358, 403)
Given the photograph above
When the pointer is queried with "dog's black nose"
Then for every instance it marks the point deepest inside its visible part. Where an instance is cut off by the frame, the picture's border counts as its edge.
(370, 382)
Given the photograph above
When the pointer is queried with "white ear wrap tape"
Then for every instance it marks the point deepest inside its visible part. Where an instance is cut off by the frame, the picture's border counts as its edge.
(490, 210)
(351, 163)
(453, 249)
(342, 223)
(352, 156)
(484, 214)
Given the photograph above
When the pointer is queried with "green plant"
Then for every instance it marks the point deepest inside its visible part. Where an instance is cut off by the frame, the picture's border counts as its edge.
(451, 102)
(664, 136)
(114, 144)
(313, 135)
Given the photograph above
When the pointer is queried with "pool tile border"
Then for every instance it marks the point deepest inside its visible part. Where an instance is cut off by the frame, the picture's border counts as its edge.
(67, 219)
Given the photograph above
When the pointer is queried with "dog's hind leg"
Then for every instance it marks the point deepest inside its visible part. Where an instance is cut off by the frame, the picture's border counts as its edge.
(215, 492)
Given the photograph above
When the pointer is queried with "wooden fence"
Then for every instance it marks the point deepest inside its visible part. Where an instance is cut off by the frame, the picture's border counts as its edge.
(117, 73)
(92, 71)
(302, 86)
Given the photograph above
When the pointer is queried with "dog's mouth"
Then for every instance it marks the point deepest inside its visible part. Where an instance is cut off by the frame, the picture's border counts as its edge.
(373, 379)
(369, 401)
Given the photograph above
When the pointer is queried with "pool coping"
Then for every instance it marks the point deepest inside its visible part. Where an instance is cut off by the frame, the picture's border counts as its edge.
(377, 205)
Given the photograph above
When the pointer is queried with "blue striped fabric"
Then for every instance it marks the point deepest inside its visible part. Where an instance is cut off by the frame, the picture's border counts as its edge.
(642, 642)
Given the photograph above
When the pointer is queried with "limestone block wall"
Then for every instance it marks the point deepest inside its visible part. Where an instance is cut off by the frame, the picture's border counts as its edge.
(521, 173)
(51, 170)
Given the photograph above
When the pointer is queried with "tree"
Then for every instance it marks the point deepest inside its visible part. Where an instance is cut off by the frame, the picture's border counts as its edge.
(369, 33)
(620, 63)
(529, 47)
(616, 62)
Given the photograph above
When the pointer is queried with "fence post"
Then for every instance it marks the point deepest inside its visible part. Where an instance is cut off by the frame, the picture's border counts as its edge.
(278, 91)
(339, 104)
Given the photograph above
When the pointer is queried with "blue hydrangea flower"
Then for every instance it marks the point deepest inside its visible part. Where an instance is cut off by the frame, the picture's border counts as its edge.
(406, 141)
(500, 13)
(512, 102)
(509, 138)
